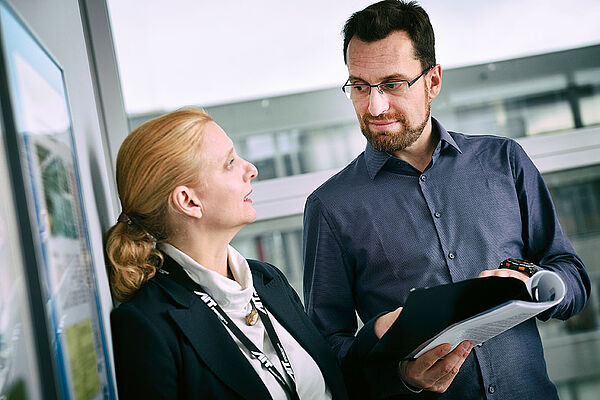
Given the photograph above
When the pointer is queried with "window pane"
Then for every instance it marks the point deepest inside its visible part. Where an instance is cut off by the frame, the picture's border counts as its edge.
(571, 347)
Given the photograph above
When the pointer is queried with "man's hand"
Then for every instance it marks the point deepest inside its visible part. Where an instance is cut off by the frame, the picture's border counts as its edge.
(504, 272)
(435, 370)
(383, 323)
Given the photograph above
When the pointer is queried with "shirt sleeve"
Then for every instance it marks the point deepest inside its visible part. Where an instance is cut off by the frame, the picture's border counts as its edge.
(545, 242)
(328, 299)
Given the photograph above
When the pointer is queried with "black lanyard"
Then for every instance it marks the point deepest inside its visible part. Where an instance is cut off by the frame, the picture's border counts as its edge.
(179, 276)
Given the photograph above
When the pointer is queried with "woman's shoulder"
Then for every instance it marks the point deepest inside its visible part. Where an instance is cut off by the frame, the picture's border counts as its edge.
(148, 313)
(261, 266)
(155, 297)
(268, 271)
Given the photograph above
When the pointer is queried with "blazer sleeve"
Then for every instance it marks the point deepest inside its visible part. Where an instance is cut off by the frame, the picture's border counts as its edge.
(144, 363)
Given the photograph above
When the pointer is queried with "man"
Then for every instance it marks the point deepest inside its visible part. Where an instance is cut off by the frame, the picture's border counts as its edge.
(422, 206)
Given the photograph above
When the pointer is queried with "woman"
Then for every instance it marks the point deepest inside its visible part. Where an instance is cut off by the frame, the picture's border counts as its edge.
(198, 320)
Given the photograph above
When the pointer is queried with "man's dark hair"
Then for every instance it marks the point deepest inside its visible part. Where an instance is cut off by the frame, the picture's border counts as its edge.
(378, 20)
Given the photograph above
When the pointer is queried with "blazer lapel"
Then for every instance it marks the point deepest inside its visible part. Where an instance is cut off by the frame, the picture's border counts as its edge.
(274, 295)
(212, 341)
(218, 351)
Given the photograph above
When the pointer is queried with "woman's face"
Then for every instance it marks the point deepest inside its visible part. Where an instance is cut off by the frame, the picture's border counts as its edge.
(226, 182)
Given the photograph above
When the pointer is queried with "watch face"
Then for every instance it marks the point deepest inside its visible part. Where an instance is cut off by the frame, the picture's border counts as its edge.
(520, 265)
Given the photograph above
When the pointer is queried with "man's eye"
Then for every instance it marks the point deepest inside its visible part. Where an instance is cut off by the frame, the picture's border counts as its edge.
(360, 88)
(390, 85)
(230, 163)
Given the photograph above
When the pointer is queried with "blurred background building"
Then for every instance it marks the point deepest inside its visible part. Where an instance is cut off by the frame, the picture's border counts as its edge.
(269, 72)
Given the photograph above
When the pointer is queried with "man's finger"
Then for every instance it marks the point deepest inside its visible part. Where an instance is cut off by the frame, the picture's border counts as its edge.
(446, 370)
(429, 358)
(503, 272)
(416, 372)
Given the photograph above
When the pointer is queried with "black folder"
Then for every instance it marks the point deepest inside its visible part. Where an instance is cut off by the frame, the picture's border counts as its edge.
(429, 311)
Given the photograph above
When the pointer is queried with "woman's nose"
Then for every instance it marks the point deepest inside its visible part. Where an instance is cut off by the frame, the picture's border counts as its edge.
(252, 171)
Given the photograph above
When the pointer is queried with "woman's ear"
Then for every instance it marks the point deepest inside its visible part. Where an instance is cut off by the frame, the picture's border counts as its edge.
(185, 202)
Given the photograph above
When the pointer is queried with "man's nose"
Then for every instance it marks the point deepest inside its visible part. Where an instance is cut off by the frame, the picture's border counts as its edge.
(378, 102)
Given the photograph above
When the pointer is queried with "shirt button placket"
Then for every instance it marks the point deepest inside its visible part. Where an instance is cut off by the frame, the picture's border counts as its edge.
(436, 214)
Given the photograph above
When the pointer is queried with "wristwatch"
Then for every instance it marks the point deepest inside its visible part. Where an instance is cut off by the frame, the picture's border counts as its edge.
(518, 264)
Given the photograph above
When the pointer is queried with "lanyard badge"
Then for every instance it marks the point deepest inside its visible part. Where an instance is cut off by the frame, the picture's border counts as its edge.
(258, 310)
(289, 386)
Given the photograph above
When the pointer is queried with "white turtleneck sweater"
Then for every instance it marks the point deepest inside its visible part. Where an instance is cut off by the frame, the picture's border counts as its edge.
(233, 296)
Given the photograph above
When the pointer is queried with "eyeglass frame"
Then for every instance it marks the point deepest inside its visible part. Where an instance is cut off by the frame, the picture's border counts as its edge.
(377, 85)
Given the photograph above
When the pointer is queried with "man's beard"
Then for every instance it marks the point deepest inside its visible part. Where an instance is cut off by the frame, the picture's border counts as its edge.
(396, 140)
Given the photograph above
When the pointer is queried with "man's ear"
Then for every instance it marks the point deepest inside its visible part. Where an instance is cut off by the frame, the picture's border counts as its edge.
(185, 201)
(435, 81)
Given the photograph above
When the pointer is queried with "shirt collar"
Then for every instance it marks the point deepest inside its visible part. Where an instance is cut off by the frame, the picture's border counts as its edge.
(444, 135)
(375, 159)
(231, 295)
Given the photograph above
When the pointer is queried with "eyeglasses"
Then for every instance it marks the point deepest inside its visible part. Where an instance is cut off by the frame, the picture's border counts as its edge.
(361, 91)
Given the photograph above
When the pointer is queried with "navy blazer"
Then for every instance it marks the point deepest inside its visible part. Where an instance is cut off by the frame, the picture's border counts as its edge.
(169, 345)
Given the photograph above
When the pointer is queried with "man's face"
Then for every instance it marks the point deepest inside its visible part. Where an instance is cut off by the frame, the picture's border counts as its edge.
(391, 123)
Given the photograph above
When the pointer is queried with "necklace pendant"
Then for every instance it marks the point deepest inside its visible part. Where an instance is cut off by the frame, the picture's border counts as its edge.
(252, 317)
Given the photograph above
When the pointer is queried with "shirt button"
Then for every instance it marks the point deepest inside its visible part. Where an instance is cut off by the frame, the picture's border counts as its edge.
(437, 214)
(491, 389)
(423, 178)
(451, 256)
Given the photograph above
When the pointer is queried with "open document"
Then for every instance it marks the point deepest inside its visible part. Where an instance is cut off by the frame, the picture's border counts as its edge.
(474, 310)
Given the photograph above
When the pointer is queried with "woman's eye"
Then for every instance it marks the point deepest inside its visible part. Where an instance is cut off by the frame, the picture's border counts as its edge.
(230, 163)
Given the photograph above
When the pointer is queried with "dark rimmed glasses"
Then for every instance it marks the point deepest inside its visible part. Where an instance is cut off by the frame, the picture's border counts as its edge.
(361, 91)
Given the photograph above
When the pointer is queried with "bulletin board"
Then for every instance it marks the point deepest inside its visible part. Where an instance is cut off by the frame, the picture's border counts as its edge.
(47, 167)
(18, 366)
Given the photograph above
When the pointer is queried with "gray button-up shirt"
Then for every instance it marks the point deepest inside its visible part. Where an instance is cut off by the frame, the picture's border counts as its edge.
(380, 227)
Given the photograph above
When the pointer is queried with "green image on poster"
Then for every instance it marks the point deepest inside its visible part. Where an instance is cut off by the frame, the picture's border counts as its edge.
(57, 193)
(82, 357)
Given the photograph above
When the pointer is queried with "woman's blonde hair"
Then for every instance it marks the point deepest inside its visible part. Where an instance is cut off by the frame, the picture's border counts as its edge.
(153, 160)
